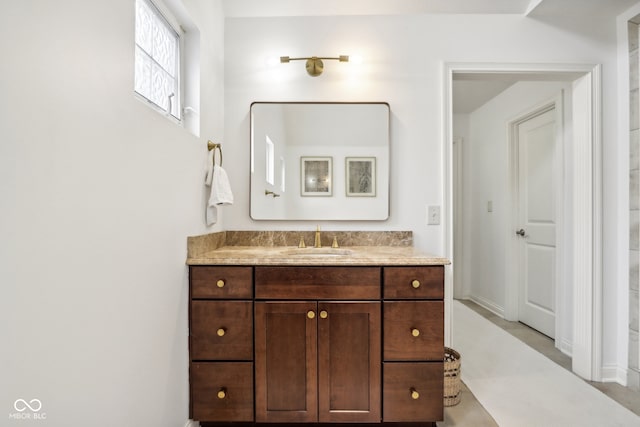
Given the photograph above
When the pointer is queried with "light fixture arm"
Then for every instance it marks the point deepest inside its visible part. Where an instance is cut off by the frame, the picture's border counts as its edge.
(314, 64)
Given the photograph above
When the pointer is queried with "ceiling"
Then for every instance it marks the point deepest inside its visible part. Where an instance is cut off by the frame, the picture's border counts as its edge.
(472, 90)
(566, 8)
(256, 8)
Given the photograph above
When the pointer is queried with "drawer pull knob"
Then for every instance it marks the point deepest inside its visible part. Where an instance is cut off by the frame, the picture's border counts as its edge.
(414, 394)
(415, 284)
(222, 393)
(311, 314)
(324, 314)
(415, 332)
(220, 283)
(221, 332)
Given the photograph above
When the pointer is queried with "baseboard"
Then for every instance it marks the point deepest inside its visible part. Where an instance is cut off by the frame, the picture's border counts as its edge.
(614, 374)
(489, 305)
(191, 423)
(565, 346)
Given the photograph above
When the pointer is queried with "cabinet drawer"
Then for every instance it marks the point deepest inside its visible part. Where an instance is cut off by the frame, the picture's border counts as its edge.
(414, 282)
(413, 392)
(222, 391)
(221, 330)
(338, 283)
(413, 330)
(221, 282)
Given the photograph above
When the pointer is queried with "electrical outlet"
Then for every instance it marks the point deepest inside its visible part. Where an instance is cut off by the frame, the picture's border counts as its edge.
(433, 215)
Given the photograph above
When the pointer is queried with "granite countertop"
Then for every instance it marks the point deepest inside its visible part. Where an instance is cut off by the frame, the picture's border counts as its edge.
(276, 249)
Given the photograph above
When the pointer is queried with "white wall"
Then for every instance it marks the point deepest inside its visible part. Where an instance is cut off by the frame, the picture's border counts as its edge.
(98, 194)
(403, 65)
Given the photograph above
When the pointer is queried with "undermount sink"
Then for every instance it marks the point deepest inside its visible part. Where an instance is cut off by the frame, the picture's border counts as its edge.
(318, 252)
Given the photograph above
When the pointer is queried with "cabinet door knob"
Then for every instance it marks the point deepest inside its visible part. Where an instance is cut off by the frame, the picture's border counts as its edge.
(324, 314)
(222, 393)
(414, 394)
(415, 283)
(221, 332)
(415, 332)
(220, 283)
(311, 314)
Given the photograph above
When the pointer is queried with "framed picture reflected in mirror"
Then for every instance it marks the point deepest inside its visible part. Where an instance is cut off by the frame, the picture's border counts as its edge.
(315, 176)
(360, 174)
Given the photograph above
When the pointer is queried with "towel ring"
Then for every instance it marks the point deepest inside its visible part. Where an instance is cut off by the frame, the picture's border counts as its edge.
(214, 146)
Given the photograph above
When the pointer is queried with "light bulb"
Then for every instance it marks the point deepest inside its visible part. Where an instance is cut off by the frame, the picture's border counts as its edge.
(355, 59)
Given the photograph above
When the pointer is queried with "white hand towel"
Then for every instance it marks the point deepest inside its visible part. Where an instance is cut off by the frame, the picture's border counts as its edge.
(209, 170)
(220, 192)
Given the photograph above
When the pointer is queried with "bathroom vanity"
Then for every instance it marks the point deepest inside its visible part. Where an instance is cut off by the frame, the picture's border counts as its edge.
(282, 335)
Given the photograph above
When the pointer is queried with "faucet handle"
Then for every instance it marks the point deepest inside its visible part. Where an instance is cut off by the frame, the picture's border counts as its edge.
(335, 242)
(301, 244)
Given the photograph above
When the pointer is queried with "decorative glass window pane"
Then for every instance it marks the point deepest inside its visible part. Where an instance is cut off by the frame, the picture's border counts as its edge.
(157, 59)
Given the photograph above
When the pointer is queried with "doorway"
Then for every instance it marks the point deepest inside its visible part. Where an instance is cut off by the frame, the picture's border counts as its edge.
(582, 183)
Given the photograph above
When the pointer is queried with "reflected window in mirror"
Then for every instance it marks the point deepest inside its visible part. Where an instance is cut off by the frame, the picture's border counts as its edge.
(270, 158)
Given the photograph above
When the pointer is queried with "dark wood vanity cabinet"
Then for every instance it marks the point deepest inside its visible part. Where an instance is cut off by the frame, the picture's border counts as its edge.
(327, 344)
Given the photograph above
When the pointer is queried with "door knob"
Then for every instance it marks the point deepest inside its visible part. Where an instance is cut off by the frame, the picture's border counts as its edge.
(520, 232)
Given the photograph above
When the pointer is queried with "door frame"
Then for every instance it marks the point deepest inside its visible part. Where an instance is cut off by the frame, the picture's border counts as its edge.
(513, 254)
(460, 289)
(586, 188)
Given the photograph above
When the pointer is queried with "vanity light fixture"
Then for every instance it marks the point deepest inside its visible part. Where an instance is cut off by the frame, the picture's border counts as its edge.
(314, 64)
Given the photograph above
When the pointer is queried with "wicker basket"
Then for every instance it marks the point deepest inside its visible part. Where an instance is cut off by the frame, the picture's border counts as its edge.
(451, 377)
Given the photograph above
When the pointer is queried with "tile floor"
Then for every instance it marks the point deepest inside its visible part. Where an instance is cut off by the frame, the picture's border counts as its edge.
(470, 412)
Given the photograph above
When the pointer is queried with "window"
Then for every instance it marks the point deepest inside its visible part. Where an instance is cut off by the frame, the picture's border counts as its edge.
(157, 60)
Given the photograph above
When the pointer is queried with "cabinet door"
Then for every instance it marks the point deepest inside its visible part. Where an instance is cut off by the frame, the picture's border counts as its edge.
(349, 341)
(286, 362)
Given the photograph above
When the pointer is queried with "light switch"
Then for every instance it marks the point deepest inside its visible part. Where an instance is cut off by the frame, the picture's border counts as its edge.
(433, 215)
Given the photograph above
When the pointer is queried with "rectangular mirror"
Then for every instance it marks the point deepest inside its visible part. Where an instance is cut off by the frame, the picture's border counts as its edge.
(319, 161)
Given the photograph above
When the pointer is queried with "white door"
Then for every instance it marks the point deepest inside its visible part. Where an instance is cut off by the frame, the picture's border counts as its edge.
(536, 231)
